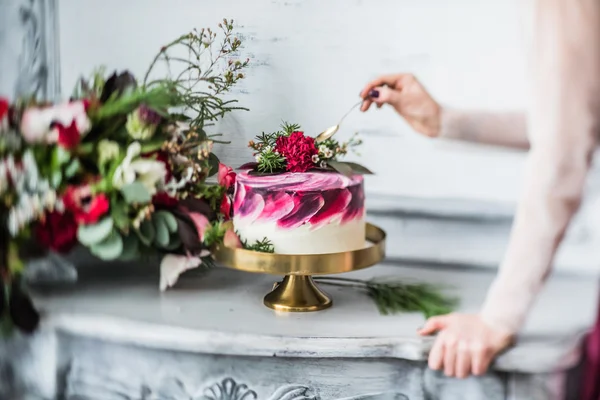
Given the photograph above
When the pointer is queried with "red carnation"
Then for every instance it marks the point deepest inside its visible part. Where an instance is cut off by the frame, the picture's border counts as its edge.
(57, 231)
(298, 151)
(86, 209)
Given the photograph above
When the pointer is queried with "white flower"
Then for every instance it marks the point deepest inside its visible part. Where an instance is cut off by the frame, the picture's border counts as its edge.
(150, 173)
(315, 158)
(323, 149)
(328, 153)
(258, 157)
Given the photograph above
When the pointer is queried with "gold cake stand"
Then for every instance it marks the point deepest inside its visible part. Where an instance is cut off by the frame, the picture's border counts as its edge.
(297, 292)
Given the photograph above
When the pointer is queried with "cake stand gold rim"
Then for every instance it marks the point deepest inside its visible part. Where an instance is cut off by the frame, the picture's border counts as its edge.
(306, 264)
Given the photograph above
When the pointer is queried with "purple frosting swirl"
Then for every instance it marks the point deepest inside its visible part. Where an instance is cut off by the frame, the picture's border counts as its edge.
(294, 199)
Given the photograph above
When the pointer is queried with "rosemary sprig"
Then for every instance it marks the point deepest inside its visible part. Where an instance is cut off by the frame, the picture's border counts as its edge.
(261, 246)
(396, 297)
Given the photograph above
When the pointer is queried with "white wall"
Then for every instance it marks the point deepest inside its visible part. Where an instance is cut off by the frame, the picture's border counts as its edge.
(311, 58)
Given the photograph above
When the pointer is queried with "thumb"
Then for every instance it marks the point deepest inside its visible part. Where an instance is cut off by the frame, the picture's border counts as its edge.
(384, 95)
(432, 325)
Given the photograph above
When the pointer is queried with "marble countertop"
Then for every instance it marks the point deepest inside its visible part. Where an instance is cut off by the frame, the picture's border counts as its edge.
(221, 312)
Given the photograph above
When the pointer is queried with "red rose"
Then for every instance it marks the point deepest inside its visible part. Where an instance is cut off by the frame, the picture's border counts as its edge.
(298, 151)
(86, 209)
(57, 231)
(225, 176)
(3, 108)
(162, 199)
(226, 207)
(68, 136)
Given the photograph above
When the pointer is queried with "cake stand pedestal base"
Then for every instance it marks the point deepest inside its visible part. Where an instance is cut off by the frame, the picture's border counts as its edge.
(297, 293)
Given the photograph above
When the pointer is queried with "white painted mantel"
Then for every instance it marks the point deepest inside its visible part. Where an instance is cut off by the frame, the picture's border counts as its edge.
(113, 335)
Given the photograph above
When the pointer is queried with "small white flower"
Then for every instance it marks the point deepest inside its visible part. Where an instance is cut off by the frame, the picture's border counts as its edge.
(151, 173)
(323, 149)
(323, 164)
(328, 153)
(315, 158)
(258, 157)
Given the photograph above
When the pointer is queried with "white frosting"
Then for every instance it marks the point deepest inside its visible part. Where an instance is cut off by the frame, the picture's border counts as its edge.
(330, 238)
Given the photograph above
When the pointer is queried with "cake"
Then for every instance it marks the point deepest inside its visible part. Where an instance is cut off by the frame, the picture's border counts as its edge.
(311, 212)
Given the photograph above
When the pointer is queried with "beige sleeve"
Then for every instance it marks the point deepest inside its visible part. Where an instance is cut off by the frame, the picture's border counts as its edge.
(507, 129)
(563, 123)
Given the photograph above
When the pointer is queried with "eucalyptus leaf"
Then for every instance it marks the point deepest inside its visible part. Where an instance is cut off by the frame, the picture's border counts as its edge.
(89, 235)
(131, 248)
(56, 178)
(146, 232)
(162, 232)
(110, 248)
(357, 168)
(72, 168)
(341, 167)
(136, 192)
(213, 162)
(168, 218)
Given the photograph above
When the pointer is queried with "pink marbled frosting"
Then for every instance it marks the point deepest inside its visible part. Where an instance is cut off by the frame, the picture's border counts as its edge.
(295, 199)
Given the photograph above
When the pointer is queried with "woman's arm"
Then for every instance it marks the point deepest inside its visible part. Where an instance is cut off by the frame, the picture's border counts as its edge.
(411, 101)
(508, 129)
(564, 124)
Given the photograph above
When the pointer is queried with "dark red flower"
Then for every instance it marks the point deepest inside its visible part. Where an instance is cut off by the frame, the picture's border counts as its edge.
(57, 231)
(68, 136)
(226, 207)
(86, 208)
(162, 199)
(298, 151)
(4, 106)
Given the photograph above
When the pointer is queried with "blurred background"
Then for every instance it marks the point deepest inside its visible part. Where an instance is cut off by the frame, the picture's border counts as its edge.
(440, 202)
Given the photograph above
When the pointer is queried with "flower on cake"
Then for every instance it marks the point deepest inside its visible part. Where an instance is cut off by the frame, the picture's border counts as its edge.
(298, 151)
(291, 150)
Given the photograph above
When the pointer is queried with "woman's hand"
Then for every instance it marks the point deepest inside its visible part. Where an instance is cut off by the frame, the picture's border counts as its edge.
(409, 98)
(465, 344)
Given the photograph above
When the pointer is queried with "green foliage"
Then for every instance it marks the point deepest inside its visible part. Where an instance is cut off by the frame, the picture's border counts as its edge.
(108, 249)
(92, 234)
(396, 297)
(165, 229)
(136, 192)
(261, 246)
(209, 71)
(159, 98)
(270, 161)
(348, 168)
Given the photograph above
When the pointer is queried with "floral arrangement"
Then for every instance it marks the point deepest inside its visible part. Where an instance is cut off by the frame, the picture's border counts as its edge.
(120, 168)
(290, 150)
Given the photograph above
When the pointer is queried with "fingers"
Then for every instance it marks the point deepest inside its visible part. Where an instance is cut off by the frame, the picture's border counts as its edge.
(463, 360)
(381, 95)
(389, 80)
(449, 356)
(433, 324)
(436, 355)
(481, 359)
